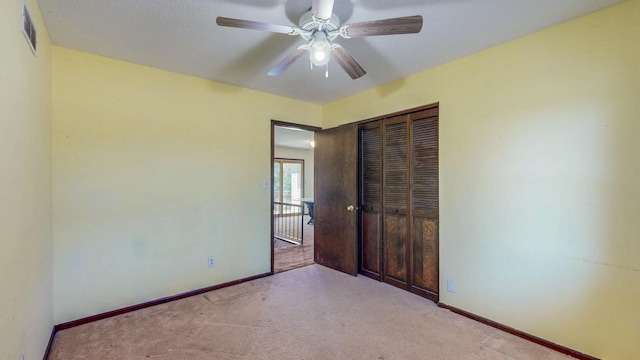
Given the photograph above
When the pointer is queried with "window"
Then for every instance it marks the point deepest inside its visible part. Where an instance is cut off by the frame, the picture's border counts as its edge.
(288, 182)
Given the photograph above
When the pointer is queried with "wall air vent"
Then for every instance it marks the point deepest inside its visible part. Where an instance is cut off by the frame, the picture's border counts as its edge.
(28, 29)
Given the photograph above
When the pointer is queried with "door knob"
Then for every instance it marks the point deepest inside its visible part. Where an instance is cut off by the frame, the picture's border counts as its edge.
(350, 208)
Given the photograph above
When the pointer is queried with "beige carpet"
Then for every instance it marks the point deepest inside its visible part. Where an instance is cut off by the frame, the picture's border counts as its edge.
(307, 313)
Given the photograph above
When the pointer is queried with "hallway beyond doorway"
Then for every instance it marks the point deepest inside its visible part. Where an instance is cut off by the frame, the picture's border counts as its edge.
(288, 256)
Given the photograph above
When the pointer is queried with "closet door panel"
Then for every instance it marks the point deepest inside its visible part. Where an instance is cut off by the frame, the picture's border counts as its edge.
(425, 203)
(395, 247)
(371, 244)
(425, 253)
(395, 185)
(371, 200)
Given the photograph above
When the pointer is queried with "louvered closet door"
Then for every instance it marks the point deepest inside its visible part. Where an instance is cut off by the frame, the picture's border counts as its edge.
(371, 199)
(424, 200)
(395, 196)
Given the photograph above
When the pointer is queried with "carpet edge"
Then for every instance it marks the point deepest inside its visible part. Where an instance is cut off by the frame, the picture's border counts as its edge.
(521, 334)
(108, 314)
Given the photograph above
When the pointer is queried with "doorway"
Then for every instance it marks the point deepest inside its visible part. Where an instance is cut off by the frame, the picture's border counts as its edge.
(292, 192)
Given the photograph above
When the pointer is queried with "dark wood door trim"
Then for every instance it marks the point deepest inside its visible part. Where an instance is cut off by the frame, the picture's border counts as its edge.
(435, 105)
(294, 125)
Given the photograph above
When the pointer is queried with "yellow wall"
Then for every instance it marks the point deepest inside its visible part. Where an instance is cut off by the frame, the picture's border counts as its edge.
(153, 172)
(25, 186)
(539, 179)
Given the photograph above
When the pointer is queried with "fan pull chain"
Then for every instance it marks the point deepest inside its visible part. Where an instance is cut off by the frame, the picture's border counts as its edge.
(326, 70)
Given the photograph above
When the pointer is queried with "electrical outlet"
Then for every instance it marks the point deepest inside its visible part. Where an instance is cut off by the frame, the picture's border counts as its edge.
(21, 356)
(212, 261)
(451, 286)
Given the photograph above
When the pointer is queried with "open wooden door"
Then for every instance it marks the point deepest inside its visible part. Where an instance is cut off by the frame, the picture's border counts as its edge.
(336, 198)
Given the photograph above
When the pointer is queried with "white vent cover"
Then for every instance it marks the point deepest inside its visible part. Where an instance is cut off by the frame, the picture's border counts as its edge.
(28, 29)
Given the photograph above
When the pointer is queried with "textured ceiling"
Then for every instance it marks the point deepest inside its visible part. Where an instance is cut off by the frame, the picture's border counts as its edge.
(182, 36)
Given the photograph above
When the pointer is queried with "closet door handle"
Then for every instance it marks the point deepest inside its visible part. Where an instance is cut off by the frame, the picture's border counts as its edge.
(396, 211)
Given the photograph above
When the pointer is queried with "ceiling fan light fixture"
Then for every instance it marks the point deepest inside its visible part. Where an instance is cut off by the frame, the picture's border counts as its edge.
(319, 27)
(320, 49)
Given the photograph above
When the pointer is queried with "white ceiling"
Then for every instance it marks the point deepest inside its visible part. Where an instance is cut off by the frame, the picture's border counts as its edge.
(182, 36)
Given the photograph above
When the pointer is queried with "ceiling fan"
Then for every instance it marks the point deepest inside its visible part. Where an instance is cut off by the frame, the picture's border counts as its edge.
(319, 27)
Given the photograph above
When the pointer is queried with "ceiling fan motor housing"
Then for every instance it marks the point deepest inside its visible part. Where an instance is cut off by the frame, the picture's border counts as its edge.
(311, 25)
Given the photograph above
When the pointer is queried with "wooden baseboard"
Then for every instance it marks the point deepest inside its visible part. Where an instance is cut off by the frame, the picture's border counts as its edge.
(147, 304)
(518, 333)
(50, 344)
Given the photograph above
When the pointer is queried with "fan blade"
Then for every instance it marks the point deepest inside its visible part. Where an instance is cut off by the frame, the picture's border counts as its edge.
(401, 25)
(255, 25)
(322, 9)
(286, 62)
(347, 62)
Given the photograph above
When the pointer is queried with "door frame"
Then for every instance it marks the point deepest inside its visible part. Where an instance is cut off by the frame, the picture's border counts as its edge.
(274, 124)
